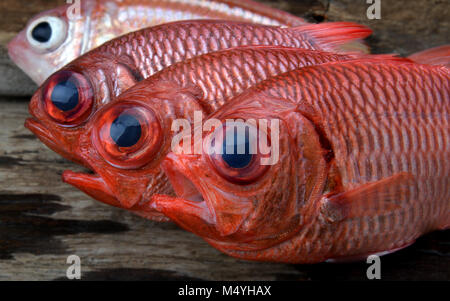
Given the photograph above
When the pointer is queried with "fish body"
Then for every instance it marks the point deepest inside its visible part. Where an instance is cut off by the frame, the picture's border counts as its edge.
(196, 86)
(363, 166)
(98, 77)
(72, 33)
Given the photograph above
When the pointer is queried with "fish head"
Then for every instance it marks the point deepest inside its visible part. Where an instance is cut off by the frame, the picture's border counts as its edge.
(63, 105)
(255, 198)
(50, 40)
(124, 143)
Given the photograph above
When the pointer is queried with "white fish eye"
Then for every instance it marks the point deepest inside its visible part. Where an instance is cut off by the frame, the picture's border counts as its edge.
(47, 33)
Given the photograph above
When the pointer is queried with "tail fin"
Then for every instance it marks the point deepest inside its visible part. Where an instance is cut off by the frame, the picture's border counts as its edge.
(340, 37)
(434, 56)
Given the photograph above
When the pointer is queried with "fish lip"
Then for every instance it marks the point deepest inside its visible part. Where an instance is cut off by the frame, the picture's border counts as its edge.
(40, 131)
(90, 184)
(179, 179)
(16, 43)
(82, 181)
(43, 134)
(20, 53)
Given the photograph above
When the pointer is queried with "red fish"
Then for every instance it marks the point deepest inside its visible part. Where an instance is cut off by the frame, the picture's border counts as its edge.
(54, 38)
(363, 165)
(127, 173)
(63, 105)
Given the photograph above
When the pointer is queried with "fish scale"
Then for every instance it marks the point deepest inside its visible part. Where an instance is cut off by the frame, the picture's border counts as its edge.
(420, 213)
(201, 83)
(222, 76)
(171, 43)
(103, 20)
(128, 59)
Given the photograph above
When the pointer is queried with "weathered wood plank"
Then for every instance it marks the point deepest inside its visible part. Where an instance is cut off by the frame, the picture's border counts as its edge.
(43, 220)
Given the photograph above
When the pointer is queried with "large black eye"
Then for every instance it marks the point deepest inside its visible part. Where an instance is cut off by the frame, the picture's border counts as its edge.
(42, 32)
(47, 33)
(125, 130)
(68, 98)
(236, 153)
(233, 150)
(127, 134)
(65, 96)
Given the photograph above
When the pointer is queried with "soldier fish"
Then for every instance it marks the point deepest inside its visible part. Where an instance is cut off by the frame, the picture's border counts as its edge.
(54, 38)
(363, 165)
(67, 100)
(126, 163)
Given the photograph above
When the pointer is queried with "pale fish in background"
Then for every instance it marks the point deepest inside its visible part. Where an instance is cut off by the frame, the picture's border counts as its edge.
(55, 37)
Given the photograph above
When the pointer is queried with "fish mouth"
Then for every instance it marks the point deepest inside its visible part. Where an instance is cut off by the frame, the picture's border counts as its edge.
(24, 58)
(42, 133)
(189, 193)
(95, 186)
(91, 184)
(196, 207)
(183, 187)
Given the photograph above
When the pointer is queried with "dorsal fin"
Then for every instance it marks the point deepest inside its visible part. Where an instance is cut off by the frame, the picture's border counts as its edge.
(434, 56)
(338, 36)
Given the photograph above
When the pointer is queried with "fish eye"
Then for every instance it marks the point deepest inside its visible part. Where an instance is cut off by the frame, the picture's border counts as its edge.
(47, 33)
(233, 153)
(127, 134)
(236, 153)
(65, 96)
(125, 130)
(42, 32)
(68, 98)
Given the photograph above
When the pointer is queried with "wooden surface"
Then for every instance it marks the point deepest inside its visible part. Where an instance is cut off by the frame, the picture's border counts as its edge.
(42, 220)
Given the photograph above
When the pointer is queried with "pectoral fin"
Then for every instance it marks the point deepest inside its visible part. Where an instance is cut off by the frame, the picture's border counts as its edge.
(367, 199)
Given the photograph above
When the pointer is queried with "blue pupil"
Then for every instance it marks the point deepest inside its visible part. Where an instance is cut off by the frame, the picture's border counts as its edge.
(65, 96)
(125, 130)
(42, 32)
(237, 153)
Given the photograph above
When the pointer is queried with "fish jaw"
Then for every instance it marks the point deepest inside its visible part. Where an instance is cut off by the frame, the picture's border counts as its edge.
(34, 126)
(189, 208)
(119, 188)
(200, 207)
(92, 185)
(43, 134)
(98, 187)
(182, 186)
